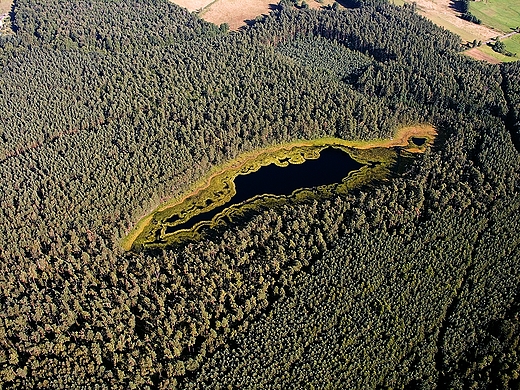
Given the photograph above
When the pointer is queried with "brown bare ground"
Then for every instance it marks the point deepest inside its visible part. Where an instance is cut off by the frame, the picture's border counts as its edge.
(439, 12)
(235, 12)
(5, 6)
(479, 55)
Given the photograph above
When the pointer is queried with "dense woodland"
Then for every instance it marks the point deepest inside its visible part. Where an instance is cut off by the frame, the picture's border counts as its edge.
(108, 107)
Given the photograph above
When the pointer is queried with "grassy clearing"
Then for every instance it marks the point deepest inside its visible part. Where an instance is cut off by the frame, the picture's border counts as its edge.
(440, 13)
(486, 53)
(478, 54)
(503, 15)
(497, 56)
(235, 12)
(513, 45)
(222, 177)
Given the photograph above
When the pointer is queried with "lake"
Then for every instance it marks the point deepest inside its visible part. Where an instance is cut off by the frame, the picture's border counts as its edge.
(332, 166)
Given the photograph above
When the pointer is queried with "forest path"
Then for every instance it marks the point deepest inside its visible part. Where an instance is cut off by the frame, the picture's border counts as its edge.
(502, 37)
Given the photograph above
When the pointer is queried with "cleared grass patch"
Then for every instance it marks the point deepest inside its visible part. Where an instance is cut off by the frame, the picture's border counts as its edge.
(497, 56)
(478, 54)
(513, 45)
(486, 53)
(236, 13)
(503, 15)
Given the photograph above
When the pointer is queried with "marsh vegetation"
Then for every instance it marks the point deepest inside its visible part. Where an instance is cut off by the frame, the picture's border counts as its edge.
(295, 172)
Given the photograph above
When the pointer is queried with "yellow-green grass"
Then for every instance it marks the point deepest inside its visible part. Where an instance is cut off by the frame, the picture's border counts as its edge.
(218, 185)
(503, 15)
(500, 57)
(513, 44)
(260, 202)
(479, 55)
(441, 20)
(222, 190)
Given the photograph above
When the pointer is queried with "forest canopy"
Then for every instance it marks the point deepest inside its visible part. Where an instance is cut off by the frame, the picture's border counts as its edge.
(110, 106)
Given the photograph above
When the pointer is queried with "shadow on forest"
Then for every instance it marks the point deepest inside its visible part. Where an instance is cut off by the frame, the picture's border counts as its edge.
(349, 3)
(251, 22)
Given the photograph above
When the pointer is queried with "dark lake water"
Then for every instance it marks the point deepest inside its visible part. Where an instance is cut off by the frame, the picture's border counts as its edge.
(418, 141)
(331, 167)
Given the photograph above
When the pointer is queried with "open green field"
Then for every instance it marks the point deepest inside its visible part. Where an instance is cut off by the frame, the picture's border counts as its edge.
(503, 15)
(498, 56)
(513, 44)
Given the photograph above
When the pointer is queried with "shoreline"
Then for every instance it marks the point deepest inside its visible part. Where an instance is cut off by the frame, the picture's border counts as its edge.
(401, 138)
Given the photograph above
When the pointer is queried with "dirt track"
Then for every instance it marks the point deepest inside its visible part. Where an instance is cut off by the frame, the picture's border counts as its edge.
(479, 55)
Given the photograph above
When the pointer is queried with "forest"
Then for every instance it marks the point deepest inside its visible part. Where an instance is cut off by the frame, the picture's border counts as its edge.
(110, 107)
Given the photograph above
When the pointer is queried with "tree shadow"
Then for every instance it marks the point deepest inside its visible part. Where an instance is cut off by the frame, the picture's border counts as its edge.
(349, 4)
(457, 6)
(251, 22)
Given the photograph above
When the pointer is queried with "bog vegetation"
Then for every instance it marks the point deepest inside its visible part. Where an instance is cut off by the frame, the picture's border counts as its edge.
(210, 202)
(109, 107)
